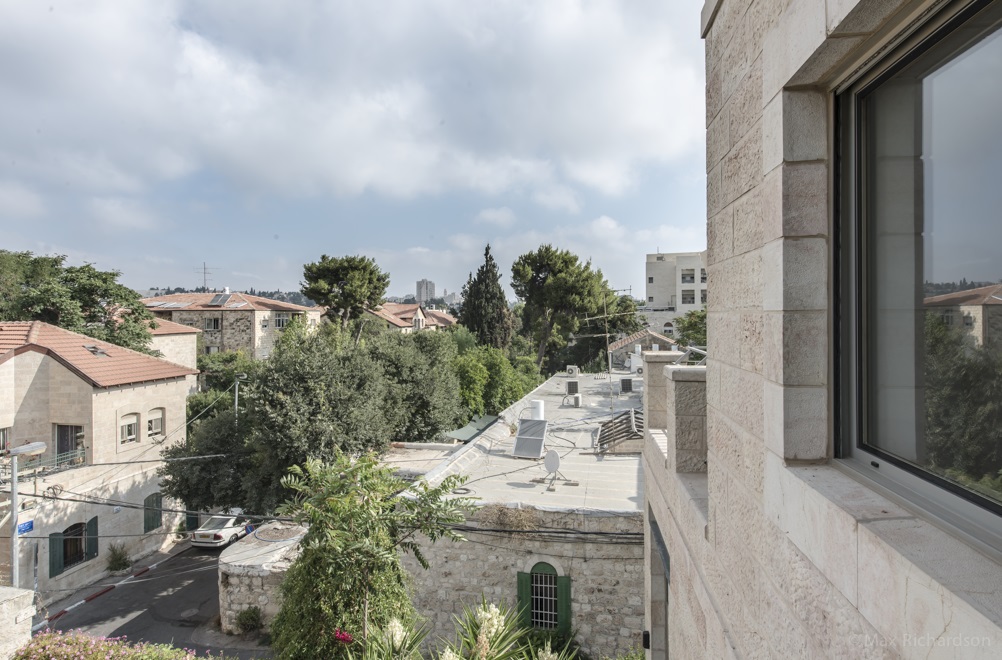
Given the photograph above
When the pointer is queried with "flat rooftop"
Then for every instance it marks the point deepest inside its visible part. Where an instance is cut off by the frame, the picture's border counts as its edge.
(608, 483)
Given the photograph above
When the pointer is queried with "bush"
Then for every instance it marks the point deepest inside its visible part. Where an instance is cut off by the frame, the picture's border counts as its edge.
(118, 557)
(249, 619)
(77, 646)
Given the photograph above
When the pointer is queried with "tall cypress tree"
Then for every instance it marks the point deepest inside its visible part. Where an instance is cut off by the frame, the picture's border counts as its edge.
(485, 308)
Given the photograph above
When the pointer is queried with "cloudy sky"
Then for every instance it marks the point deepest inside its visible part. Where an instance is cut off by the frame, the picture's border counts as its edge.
(255, 136)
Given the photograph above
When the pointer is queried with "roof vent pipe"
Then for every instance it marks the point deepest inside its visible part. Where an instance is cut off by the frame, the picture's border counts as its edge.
(226, 289)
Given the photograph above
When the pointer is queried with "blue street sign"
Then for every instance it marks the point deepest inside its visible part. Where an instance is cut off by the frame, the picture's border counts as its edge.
(25, 527)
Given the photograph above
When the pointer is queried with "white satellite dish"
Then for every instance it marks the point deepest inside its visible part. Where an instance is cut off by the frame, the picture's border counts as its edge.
(552, 461)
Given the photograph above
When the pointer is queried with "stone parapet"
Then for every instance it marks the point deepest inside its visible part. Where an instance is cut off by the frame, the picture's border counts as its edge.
(16, 610)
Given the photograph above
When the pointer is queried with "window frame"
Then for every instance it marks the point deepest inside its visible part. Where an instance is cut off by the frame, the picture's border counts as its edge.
(212, 323)
(526, 598)
(124, 438)
(153, 513)
(155, 418)
(5, 433)
(975, 517)
(86, 532)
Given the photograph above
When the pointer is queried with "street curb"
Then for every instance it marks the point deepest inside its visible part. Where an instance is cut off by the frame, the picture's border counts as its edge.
(45, 622)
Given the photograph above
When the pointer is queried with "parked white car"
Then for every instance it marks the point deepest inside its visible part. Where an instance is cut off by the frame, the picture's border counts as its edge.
(220, 530)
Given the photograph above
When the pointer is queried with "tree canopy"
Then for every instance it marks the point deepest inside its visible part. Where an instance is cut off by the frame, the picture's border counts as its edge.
(79, 298)
(485, 309)
(345, 285)
(690, 328)
(558, 290)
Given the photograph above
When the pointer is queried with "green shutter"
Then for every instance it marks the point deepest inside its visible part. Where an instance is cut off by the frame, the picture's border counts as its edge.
(91, 549)
(158, 513)
(525, 600)
(563, 605)
(55, 554)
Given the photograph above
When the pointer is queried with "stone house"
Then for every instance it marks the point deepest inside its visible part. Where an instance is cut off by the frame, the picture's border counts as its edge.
(628, 349)
(232, 321)
(976, 312)
(176, 343)
(788, 515)
(407, 317)
(565, 546)
(104, 413)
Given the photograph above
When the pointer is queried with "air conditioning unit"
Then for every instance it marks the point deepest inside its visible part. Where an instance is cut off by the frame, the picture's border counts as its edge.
(573, 371)
(626, 385)
(572, 387)
(577, 400)
(640, 371)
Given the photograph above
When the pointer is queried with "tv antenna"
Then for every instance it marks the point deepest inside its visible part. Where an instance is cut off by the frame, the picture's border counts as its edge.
(205, 271)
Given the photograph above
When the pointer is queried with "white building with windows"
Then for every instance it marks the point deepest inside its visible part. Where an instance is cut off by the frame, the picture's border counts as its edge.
(676, 284)
(105, 413)
(803, 496)
(425, 291)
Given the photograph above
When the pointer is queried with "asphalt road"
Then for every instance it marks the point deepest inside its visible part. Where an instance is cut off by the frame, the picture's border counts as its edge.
(176, 603)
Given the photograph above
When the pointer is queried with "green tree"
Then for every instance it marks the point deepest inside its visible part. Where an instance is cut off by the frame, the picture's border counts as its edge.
(345, 285)
(473, 377)
(504, 386)
(310, 399)
(220, 369)
(348, 576)
(615, 317)
(79, 298)
(423, 397)
(690, 328)
(558, 290)
(485, 308)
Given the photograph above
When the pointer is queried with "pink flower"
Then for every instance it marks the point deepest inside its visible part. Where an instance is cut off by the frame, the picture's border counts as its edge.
(343, 636)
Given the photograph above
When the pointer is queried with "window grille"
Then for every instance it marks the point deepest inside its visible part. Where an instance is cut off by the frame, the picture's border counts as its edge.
(544, 600)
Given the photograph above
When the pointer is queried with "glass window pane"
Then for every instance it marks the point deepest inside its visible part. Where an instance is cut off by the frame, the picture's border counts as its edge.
(930, 155)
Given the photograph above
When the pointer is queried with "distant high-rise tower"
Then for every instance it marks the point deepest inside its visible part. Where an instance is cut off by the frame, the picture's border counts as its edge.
(425, 291)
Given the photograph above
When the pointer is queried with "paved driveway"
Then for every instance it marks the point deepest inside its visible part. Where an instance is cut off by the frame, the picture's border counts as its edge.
(175, 603)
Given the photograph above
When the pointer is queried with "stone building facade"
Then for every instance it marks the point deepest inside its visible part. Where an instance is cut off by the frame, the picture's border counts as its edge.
(606, 579)
(233, 321)
(104, 413)
(781, 546)
(176, 343)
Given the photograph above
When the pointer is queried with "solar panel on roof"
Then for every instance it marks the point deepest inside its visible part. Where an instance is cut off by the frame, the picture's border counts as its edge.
(236, 304)
(219, 300)
(529, 439)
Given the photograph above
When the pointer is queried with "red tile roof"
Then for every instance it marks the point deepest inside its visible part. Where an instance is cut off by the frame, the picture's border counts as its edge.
(98, 362)
(637, 336)
(402, 315)
(439, 318)
(984, 295)
(165, 327)
(236, 302)
(381, 313)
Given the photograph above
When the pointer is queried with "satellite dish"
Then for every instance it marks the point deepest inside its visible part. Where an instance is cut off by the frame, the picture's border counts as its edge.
(552, 461)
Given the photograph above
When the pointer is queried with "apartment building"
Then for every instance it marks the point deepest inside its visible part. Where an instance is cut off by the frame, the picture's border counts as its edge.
(803, 496)
(425, 291)
(104, 413)
(233, 321)
(676, 284)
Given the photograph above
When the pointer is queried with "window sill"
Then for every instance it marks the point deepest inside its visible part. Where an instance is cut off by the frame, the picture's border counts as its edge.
(905, 575)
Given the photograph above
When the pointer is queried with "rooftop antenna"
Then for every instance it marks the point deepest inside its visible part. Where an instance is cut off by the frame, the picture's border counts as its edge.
(552, 465)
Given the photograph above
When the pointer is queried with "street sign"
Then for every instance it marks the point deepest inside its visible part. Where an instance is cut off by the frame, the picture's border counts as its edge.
(25, 527)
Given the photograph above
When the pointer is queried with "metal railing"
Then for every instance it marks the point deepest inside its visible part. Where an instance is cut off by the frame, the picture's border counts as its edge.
(688, 353)
(28, 469)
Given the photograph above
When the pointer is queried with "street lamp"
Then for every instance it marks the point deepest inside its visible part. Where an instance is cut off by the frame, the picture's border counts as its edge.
(30, 449)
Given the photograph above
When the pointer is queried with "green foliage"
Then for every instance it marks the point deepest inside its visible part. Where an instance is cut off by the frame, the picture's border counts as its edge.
(348, 576)
(963, 405)
(118, 556)
(690, 328)
(615, 316)
(79, 298)
(463, 338)
(204, 404)
(346, 285)
(220, 369)
(76, 645)
(214, 482)
(558, 291)
(504, 386)
(423, 398)
(249, 619)
(473, 377)
(492, 632)
(634, 653)
(394, 641)
(485, 309)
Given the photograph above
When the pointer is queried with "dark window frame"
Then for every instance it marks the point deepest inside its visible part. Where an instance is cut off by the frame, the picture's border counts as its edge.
(976, 517)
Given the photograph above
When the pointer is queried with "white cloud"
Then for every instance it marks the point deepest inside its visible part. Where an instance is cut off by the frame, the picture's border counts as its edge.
(336, 99)
(500, 217)
(19, 201)
(116, 213)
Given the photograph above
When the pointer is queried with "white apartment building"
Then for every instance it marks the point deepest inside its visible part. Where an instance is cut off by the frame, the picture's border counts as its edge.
(676, 284)
(425, 291)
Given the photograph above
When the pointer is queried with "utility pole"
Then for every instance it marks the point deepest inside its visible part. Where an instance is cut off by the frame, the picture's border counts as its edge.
(205, 271)
(30, 449)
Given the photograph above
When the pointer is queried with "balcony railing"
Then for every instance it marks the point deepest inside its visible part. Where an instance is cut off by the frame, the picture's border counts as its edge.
(29, 469)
